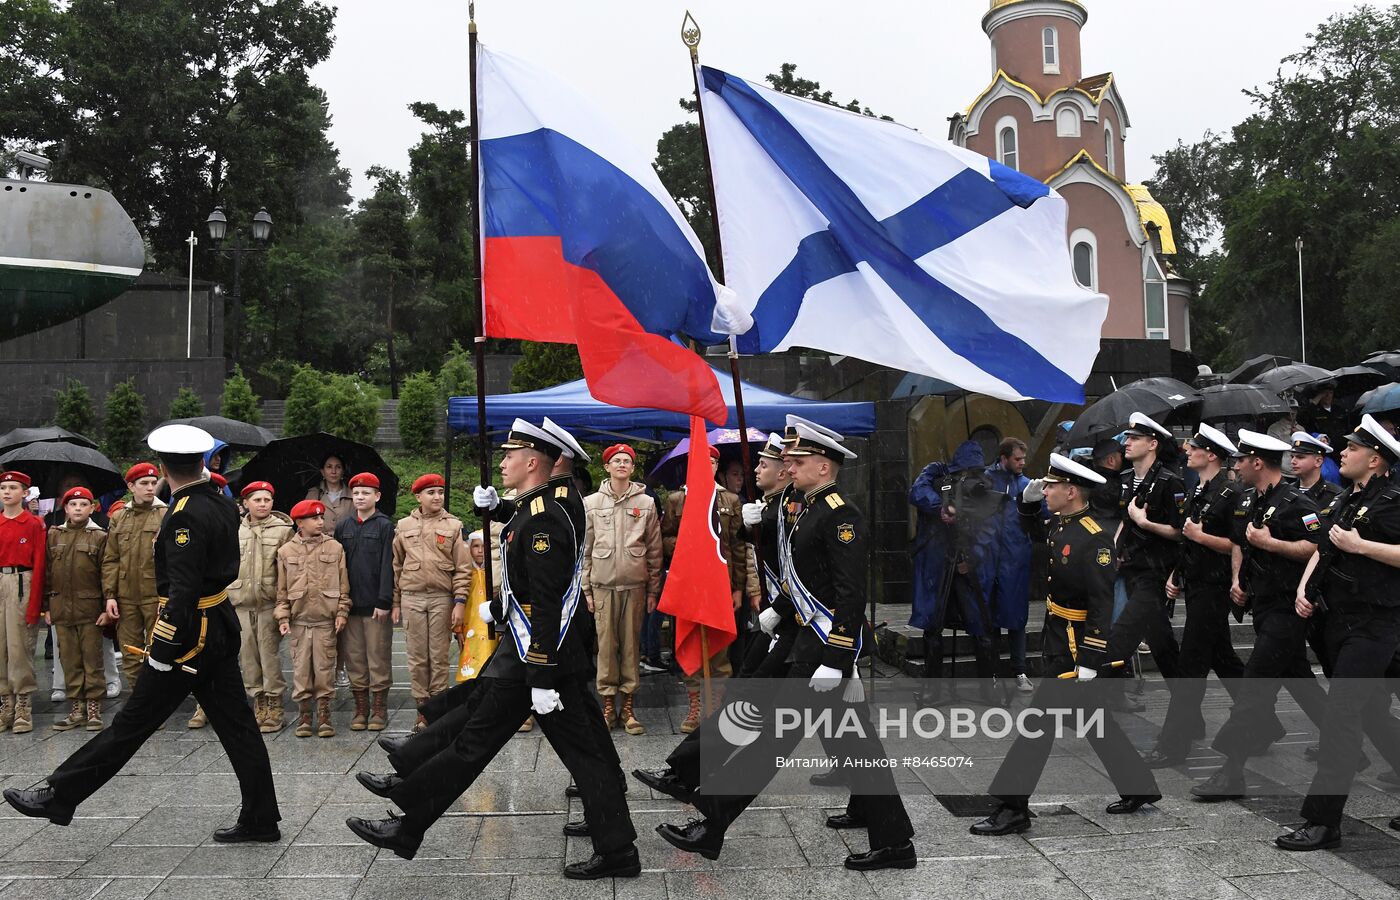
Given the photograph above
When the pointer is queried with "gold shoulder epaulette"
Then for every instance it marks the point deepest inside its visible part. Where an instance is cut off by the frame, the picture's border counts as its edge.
(536, 506)
(1090, 525)
(834, 500)
(561, 492)
(180, 504)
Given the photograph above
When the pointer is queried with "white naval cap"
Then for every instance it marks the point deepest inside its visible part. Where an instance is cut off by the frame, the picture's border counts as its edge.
(774, 448)
(810, 442)
(1372, 434)
(790, 434)
(1208, 437)
(1064, 469)
(1305, 442)
(524, 436)
(178, 440)
(1253, 443)
(571, 447)
(1143, 425)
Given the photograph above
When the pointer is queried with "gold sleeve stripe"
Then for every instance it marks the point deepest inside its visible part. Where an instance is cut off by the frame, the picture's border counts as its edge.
(181, 504)
(538, 659)
(1096, 643)
(536, 506)
(844, 643)
(164, 630)
(1090, 525)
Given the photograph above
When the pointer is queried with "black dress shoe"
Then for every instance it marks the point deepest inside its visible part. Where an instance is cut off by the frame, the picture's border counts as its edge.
(1310, 753)
(665, 781)
(1131, 804)
(576, 829)
(40, 803)
(1222, 785)
(1004, 821)
(1158, 759)
(621, 864)
(386, 833)
(572, 790)
(380, 785)
(695, 836)
(833, 778)
(1395, 824)
(393, 744)
(1311, 837)
(842, 821)
(901, 857)
(244, 834)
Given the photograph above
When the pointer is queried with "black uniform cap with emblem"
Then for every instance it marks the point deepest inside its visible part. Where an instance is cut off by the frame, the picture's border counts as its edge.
(1270, 449)
(1065, 470)
(1144, 425)
(1213, 440)
(790, 432)
(811, 442)
(1372, 435)
(524, 436)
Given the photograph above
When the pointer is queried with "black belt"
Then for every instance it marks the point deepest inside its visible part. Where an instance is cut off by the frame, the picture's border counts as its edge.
(13, 570)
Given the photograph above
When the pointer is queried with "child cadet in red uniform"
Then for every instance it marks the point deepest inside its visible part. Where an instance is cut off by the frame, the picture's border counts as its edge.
(22, 560)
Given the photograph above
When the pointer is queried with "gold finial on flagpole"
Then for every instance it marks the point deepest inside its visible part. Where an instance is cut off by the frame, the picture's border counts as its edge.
(471, 15)
(690, 35)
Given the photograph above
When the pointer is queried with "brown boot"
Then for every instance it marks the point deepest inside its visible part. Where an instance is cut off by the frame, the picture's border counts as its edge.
(610, 712)
(304, 721)
(260, 710)
(692, 716)
(24, 719)
(629, 721)
(378, 710)
(323, 713)
(361, 717)
(94, 715)
(419, 723)
(7, 713)
(198, 720)
(273, 717)
(76, 717)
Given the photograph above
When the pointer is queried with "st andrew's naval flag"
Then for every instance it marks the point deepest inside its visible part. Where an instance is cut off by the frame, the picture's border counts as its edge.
(582, 245)
(859, 236)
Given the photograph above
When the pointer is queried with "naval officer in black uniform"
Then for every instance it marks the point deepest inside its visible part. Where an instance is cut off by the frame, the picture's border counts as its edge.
(1075, 649)
(193, 650)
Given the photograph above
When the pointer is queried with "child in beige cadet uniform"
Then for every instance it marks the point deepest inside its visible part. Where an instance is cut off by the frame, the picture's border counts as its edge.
(261, 534)
(129, 565)
(432, 569)
(313, 602)
(73, 606)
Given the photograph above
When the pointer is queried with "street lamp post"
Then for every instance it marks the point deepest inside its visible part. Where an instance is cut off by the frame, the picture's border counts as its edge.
(1302, 319)
(261, 228)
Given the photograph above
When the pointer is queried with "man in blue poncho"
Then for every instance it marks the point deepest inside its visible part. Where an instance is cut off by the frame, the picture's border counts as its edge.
(1009, 591)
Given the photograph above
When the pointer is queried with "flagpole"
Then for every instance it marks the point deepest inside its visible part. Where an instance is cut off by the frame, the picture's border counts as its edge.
(483, 450)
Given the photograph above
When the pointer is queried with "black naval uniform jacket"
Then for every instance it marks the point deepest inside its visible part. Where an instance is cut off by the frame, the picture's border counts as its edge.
(829, 556)
(1352, 579)
(561, 488)
(1213, 507)
(1080, 579)
(779, 511)
(1290, 515)
(196, 559)
(1322, 493)
(1165, 500)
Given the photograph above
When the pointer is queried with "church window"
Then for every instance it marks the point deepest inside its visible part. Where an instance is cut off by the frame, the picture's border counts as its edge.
(1050, 38)
(1067, 121)
(1084, 249)
(1007, 144)
(1108, 148)
(1155, 299)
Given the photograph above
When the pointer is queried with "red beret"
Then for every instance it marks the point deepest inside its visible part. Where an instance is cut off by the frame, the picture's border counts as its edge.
(255, 486)
(141, 470)
(714, 452)
(15, 476)
(307, 508)
(77, 493)
(365, 479)
(615, 449)
(432, 479)
(218, 479)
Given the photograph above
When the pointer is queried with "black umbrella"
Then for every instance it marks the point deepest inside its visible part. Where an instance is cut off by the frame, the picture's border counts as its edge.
(1353, 380)
(293, 465)
(1387, 361)
(238, 435)
(48, 463)
(1253, 368)
(19, 437)
(1239, 401)
(1291, 377)
(1166, 400)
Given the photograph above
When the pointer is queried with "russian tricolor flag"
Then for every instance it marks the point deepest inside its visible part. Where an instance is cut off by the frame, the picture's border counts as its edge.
(583, 245)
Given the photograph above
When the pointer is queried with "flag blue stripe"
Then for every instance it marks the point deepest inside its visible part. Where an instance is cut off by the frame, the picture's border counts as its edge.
(890, 248)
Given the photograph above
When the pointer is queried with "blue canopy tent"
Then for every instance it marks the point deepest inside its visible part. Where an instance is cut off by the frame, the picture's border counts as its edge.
(575, 409)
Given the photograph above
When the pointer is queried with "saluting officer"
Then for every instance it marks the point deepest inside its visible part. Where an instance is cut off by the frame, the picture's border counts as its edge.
(1357, 571)
(1075, 649)
(193, 649)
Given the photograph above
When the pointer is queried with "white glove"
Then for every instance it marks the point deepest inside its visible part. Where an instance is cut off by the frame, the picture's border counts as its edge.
(1086, 674)
(485, 497)
(825, 679)
(1034, 492)
(484, 610)
(752, 513)
(769, 620)
(158, 665)
(545, 701)
(855, 691)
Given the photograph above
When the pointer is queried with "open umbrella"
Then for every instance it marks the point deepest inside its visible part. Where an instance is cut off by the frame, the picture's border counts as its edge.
(1166, 400)
(1239, 401)
(670, 471)
(18, 437)
(1251, 369)
(1387, 361)
(1291, 377)
(48, 463)
(1352, 380)
(1383, 399)
(293, 465)
(238, 435)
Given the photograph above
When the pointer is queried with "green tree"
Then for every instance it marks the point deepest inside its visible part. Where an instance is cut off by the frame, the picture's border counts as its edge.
(74, 409)
(349, 409)
(419, 404)
(124, 419)
(457, 377)
(545, 365)
(303, 414)
(440, 184)
(239, 401)
(384, 275)
(186, 405)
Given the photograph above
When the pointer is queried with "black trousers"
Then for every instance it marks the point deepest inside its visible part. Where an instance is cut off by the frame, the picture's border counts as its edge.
(1279, 654)
(1205, 647)
(442, 729)
(873, 794)
(218, 687)
(500, 708)
(453, 698)
(1361, 641)
(1145, 617)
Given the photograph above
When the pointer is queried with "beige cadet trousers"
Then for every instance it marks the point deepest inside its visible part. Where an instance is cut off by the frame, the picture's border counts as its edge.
(720, 669)
(260, 651)
(313, 661)
(137, 618)
(618, 613)
(427, 630)
(367, 650)
(80, 651)
(17, 642)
